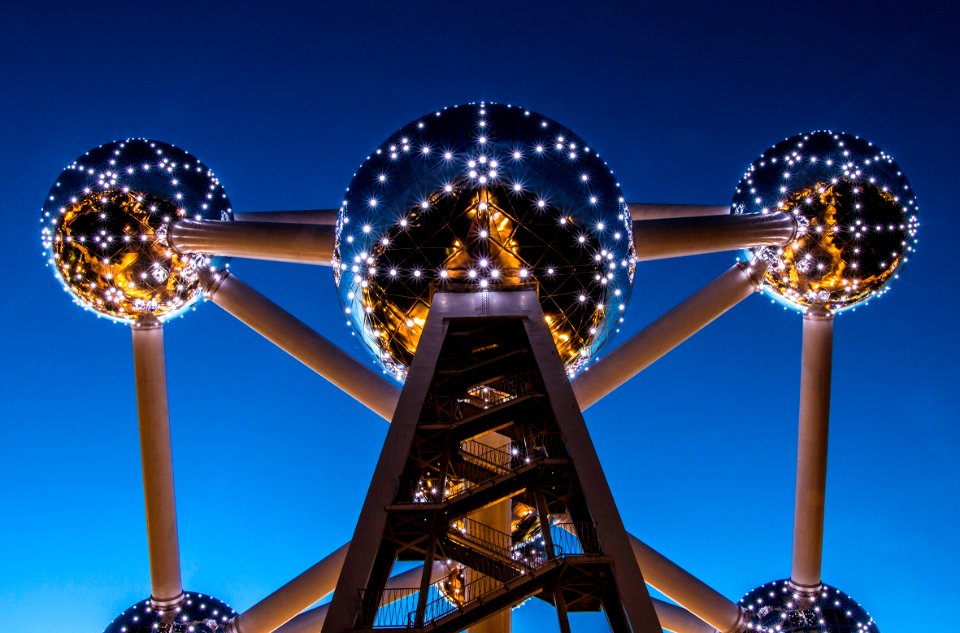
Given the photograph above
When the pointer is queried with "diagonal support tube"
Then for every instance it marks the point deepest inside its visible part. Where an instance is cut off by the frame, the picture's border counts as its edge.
(292, 598)
(699, 600)
(672, 617)
(300, 341)
(275, 241)
(312, 621)
(323, 217)
(678, 237)
(686, 590)
(647, 211)
(679, 620)
(156, 458)
(667, 332)
(814, 425)
(704, 609)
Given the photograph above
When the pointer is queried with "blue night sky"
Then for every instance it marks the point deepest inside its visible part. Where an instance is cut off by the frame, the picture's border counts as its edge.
(284, 100)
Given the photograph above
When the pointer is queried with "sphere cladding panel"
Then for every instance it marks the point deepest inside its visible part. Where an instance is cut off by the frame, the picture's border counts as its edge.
(856, 212)
(483, 197)
(105, 224)
(198, 613)
(776, 607)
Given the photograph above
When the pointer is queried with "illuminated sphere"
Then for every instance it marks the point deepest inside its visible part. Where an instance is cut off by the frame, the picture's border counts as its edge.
(197, 613)
(856, 211)
(776, 608)
(483, 197)
(105, 224)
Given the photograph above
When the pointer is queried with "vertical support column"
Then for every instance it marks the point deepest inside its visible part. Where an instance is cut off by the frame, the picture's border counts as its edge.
(499, 516)
(543, 516)
(816, 361)
(562, 619)
(157, 463)
(425, 580)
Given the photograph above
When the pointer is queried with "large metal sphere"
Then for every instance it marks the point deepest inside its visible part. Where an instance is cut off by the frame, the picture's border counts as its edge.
(477, 197)
(776, 607)
(857, 215)
(196, 614)
(105, 224)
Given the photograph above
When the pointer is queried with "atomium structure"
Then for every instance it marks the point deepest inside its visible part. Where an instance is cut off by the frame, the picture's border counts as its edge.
(483, 254)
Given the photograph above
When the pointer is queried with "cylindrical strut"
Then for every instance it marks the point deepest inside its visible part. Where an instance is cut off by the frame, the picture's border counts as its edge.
(686, 590)
(292, 598)
(648, 211)
(499, 517)
(679, 620)
(814, 425)
(157, 462)
(678, 237)
(275, 241)
(402, 585)
(324, 217)
(667, 332)
(296, 338)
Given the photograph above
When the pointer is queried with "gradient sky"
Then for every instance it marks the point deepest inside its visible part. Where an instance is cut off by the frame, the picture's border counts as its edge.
(284, 100)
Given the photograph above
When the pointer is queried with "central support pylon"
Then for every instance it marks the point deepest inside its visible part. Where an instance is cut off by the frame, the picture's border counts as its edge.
(487, 417)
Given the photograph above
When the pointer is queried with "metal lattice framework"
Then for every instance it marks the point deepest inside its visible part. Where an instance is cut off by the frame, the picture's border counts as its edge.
(659, 231)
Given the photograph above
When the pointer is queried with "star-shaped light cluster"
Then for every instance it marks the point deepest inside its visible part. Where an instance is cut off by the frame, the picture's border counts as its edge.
(483, 197)
(856, 212)
(105, 224)
(777, 607)
(197, 613)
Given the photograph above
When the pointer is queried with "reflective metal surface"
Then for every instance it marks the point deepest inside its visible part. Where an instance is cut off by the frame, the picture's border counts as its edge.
(776, 608)
(475, 197)
(857, 215)
(197, 613)
(105, 225)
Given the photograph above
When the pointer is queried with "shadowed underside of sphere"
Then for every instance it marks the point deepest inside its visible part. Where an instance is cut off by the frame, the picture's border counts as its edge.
(856, 212)
(105, 225)
(198, 613)
(483, 197)
(777, 608)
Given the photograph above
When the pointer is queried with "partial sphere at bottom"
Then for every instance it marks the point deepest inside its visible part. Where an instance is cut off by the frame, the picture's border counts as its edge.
(777, 607)
(198, 613)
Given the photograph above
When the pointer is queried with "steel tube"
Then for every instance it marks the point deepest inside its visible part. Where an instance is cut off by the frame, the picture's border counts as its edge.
(156, 459)
(292, 598)
(645, 211)
(498, 516)
(686, 590)
(667, 332)
(312, 621)
(274, 241)
(300, 341)
(814, 424)
(679, 620)
(678, 237)
(323, 217)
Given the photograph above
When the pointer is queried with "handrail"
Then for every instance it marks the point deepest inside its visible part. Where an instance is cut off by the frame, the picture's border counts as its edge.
(486, 396)
(499, 461)
(484, 536)
(397, 607)
(577, 538)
